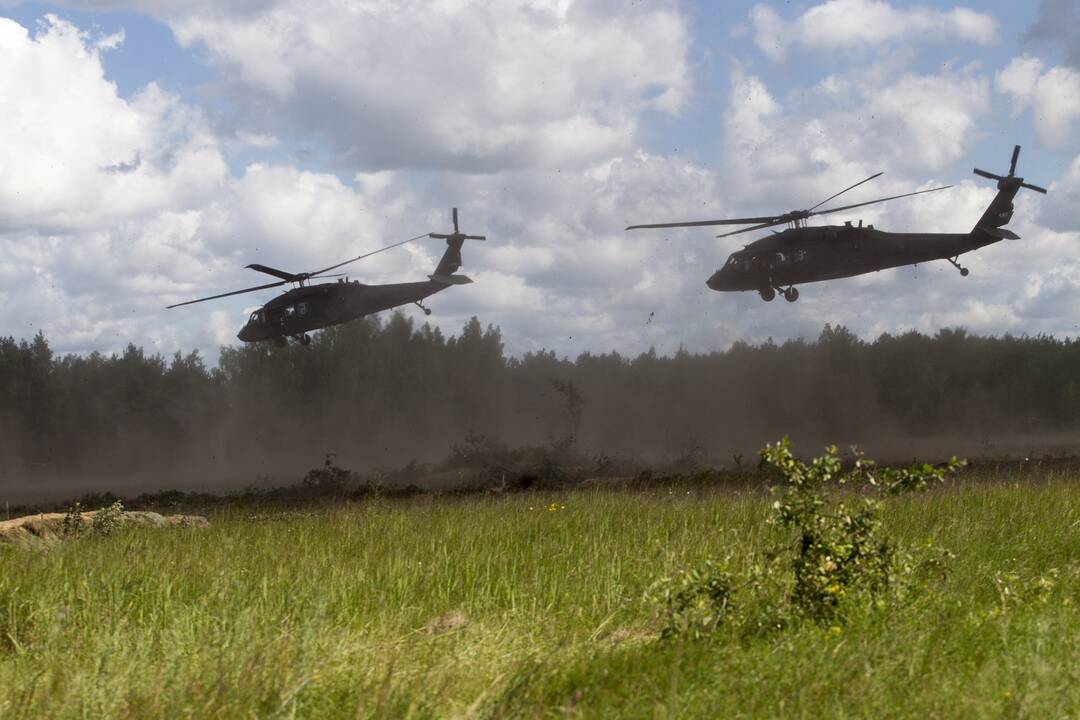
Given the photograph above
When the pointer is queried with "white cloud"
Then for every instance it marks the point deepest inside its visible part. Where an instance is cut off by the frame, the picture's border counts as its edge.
(1057, 23)
(817, 141)
(101, 197)
(469, 84)
(1053, 97)
(1061, 209)
(76, 154)
(860, 24)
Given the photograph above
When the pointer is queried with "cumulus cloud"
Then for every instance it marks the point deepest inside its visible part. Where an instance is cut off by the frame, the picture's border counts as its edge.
(100, 196)
(1057, 24)
(466, 85)
(1052, 95)
(1061, 209)
(585, 284)
(826, 137)
(76, 154)
(860, 24)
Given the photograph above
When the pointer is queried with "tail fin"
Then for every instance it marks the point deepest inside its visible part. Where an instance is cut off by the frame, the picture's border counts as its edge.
(1000, 211)
(451, 259)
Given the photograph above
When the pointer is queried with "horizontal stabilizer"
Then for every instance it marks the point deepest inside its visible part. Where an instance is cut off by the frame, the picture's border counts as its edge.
(1000, 233)
(451, 279)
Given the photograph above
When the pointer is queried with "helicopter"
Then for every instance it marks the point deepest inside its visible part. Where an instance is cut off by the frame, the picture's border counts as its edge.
(802, 254)
(308, 307)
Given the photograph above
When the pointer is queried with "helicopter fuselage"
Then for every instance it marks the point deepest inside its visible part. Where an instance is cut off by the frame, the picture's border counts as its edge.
(812, 254)
(313, 307)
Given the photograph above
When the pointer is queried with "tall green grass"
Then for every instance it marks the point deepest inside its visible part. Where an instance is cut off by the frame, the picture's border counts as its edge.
(532, 605)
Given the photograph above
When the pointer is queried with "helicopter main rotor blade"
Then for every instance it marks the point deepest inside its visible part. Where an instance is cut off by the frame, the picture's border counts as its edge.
(702, 223)
(1015, 157)
(845, 190)
(871, 202)
(1036, 188)
(781, 221)
(361, 257)
(234, 292)
(287, 276)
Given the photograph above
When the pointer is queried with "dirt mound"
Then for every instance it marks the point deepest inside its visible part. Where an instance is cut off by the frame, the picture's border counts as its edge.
(47, 529)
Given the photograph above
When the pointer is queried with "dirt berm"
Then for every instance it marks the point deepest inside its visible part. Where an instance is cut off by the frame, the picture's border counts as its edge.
(46, 529)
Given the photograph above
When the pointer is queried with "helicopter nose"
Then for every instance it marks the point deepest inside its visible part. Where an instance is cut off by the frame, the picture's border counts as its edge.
(244, 334)
(715, 282)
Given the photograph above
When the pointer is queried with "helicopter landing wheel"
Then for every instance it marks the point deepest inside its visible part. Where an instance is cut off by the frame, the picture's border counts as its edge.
(305, 339)
(964, 272)
(427, 310)
(767, 294)
(791, 294)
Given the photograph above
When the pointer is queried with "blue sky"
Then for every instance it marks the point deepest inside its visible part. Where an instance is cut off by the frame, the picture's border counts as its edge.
(274, 131)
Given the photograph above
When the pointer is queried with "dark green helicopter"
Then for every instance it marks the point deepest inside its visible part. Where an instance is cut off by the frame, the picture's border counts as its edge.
(312, 307)
(802, 254)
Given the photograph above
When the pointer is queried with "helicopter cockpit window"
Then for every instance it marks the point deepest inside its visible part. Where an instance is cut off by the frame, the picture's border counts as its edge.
(256, 318)
(733, 261)
(301, 309)
(799, 256)
(290, 310)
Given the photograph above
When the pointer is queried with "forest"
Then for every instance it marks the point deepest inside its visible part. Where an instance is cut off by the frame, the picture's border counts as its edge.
(384, 393)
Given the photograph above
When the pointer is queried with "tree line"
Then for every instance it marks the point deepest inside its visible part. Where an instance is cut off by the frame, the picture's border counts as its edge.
(382, 393)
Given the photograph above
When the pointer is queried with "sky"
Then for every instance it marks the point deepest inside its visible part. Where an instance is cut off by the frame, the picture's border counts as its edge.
(153, 149)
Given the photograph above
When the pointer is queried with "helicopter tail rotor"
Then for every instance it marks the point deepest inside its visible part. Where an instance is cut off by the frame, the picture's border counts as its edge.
(1001, 208)
(451, 259)
(457, 234)
(1011, 178)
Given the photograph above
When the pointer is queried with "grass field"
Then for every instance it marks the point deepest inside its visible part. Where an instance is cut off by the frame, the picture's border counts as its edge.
(532, 605)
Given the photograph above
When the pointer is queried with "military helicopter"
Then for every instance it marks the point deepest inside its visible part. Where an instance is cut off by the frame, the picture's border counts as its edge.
(312, 307)
(801, 254)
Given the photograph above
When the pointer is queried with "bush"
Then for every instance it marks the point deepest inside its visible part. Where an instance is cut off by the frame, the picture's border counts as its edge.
(695, 602)
(838, 544)
(74, 523)
(103, 522)
(107, 519)
(837, 550)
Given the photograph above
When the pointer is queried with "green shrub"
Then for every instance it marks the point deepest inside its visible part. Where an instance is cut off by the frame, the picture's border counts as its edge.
(695, 602)
(838, 544)
(108, 519)
(74, 522)
(836, 550)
